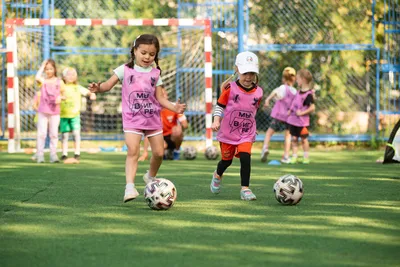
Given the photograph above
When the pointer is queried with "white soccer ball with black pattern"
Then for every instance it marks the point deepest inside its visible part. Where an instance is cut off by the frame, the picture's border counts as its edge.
(189, 152)
(211, 153)
(160, 194)
(288, 189)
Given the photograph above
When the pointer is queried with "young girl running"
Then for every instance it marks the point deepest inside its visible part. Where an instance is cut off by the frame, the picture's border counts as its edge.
(299, 114)
(51, 95)
(284, 95)
(142, 98)
(238, 102)
(70, 111)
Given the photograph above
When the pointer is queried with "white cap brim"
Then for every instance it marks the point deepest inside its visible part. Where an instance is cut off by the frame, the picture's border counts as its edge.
(248, 68)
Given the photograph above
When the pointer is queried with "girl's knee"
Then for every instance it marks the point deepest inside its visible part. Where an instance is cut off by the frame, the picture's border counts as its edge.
(158, 154)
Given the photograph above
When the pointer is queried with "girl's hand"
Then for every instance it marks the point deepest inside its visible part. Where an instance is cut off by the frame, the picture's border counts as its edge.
(94, 87)
(215, 126)
(299, 113)
(179, 108)
(266, 104)
(58, 99)
(92, 96)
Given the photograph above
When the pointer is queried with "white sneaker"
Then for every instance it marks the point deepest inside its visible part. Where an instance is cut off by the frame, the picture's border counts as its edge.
(130, 194)
(147, 179)
(285, 160)
(40, 159)
(264, 155)
(54, 159)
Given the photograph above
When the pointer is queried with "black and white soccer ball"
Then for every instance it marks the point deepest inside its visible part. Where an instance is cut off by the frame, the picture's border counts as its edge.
(288, 189)
(189, 152)
(160, 194)
(211, 153)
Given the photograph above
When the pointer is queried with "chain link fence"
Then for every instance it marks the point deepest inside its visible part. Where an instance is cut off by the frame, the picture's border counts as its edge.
(336, 40)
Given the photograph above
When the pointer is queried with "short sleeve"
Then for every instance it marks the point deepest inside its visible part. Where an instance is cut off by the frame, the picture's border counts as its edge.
(84, 91)
(120, 72)
(159, 82)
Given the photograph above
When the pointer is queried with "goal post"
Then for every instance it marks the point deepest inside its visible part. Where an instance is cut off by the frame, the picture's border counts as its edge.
(202, 115)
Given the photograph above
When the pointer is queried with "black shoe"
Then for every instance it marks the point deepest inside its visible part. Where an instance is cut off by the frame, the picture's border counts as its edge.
(77, 157)
(64, 157)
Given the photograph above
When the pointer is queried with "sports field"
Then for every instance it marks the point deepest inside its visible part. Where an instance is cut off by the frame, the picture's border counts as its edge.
(73, 215)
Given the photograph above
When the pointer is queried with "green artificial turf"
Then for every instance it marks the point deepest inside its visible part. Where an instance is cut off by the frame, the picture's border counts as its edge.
(73, 215)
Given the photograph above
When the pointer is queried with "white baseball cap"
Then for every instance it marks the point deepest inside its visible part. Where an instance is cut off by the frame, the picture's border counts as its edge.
(247, 62)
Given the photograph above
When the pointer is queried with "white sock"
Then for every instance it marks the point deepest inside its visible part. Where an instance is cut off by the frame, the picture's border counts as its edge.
(65, 137)
(294, 155)
(130, 186)
(77, 138)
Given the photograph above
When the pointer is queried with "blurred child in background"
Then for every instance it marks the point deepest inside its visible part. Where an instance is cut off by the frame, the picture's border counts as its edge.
(284, 96)
(51, 94)
(70, 111)
(174, 125)
(299, 114)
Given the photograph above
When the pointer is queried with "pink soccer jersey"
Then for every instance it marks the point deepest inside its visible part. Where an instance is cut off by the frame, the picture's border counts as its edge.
(140, 108)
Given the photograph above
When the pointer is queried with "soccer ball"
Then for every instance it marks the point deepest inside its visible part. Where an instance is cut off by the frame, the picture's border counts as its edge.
(211, 153)
(189, 152)
(288, 189)
(160, 194)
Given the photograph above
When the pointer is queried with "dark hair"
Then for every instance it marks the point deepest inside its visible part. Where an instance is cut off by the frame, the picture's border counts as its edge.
(53, 63)
(144, 39)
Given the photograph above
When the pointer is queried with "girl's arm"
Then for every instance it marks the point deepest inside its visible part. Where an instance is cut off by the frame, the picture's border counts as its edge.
(271, 95)
(164, 102)
(39, 74)
(310, 109)
(225, 83)
(101, 87)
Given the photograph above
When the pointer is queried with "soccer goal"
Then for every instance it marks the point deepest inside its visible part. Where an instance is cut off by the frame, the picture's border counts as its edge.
(95, 47)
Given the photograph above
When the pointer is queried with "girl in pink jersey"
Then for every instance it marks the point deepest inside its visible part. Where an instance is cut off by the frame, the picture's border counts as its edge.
(299, 114)
(239, 102)
(284, 95)
(142, 99)
(51, 95)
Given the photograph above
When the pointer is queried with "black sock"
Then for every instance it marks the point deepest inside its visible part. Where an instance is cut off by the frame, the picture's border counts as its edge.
(245, 168)
(222, 166)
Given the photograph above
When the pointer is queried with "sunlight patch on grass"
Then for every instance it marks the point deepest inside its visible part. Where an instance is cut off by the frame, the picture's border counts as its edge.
(228, 214)
(55, 231)
(384, 179)
(377, 238)
(114, 216)
(265, 249)
(39, 206)
(346, 220)
(361, 206)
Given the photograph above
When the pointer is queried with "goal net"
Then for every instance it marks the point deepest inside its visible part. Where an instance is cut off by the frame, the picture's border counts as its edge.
(95, 48)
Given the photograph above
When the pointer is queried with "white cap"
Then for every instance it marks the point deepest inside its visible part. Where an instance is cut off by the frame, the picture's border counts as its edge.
(247, 62)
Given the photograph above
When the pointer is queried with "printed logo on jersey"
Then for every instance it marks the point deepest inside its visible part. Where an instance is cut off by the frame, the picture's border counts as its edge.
(153, 81)
(139, 102)
(131, 79)
(255, 101)
(236, 98)
(51, 97)
(241, 121)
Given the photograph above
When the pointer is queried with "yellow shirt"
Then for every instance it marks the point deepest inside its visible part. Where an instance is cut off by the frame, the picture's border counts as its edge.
(71, 106)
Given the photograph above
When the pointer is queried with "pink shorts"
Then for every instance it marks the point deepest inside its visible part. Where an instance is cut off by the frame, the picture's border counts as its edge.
(145, 133)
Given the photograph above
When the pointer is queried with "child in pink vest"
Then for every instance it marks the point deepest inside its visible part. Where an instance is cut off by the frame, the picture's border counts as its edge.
(51, 95)
(284, 95)
(142, 99)
(299, 114)
(238, 102)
